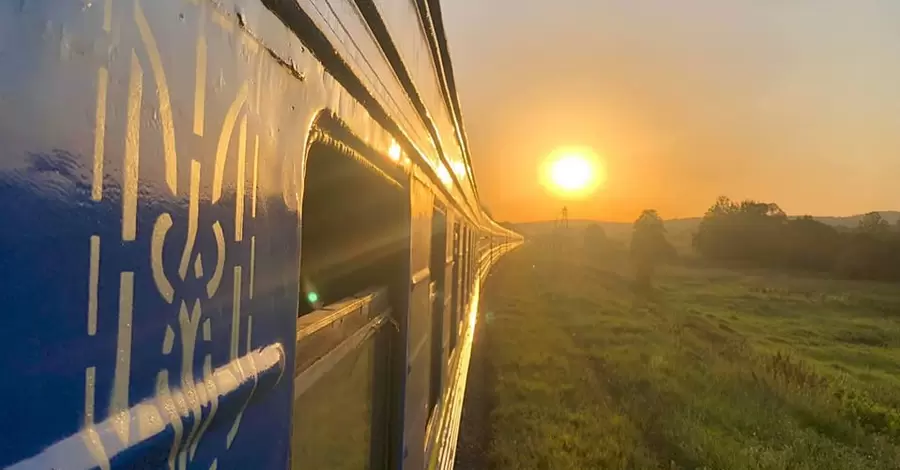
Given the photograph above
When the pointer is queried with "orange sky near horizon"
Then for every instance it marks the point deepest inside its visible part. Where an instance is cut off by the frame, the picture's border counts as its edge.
(796, 103)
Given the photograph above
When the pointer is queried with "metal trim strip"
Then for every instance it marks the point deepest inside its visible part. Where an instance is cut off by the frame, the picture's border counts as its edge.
(311, 323)
(151, 421)
(318, 369)
(420, 276)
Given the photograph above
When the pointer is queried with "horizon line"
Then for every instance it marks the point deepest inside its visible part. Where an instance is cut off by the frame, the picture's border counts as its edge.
(541, 221)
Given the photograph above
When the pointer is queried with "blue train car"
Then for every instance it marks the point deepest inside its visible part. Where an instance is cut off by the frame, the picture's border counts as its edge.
(235, 234)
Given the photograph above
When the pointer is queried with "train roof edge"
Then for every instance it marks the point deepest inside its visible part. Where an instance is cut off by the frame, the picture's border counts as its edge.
(432, 8)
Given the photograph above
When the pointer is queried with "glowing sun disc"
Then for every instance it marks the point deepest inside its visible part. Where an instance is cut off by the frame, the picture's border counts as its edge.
(573, 172)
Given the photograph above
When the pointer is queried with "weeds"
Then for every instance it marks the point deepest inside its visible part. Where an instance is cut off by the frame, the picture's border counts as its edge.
(793, 375)
(709, 369)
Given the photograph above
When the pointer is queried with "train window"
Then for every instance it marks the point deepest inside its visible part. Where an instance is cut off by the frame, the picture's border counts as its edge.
(464, 276)
(464, 260)
(438, 268)
(467, 284)
(355, 241)
(457, 286)
(355, 229)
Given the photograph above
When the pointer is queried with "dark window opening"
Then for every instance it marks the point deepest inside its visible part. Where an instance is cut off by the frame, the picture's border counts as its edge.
(354, 230)
(438, 268)
(467, 270)
(457, 287)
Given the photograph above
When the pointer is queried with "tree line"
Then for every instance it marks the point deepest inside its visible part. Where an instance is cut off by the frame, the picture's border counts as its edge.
(761, 234)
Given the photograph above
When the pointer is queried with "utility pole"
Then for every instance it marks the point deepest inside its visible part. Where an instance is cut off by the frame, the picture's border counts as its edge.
(560, 232)
(559, 239)
(562, 228)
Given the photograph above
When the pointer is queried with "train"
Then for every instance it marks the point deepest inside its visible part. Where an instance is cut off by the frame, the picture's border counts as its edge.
(236, 234)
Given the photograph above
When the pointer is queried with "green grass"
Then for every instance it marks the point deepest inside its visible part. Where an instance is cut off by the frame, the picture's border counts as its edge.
(711, 369)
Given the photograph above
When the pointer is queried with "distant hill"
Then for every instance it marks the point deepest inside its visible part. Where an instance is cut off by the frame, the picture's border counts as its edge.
(680, 230)
(853, 220)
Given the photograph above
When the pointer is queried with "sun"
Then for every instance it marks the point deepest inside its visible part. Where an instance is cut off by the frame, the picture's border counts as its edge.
(573, 172)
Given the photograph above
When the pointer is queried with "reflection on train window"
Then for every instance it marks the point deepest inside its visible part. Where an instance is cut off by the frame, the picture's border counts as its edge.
(438, 270)
(457, 287)
(467, 269)
(355, 228)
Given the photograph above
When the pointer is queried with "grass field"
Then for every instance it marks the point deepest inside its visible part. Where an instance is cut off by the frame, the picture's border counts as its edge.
(711, 369)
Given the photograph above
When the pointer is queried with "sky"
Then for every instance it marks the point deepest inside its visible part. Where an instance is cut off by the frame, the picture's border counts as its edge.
(793, 102)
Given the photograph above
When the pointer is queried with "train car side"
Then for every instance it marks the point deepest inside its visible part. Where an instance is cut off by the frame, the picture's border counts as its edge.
(236, 234)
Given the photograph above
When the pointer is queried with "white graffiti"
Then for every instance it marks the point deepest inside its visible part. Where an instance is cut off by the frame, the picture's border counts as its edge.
(184, 404)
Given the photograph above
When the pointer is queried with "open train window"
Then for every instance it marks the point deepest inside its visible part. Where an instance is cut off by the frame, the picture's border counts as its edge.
(354, 229)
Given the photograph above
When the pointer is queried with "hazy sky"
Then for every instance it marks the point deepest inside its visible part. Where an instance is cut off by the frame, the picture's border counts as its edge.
(796, 102)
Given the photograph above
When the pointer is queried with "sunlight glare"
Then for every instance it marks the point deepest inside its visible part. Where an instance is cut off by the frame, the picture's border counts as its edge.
(394, 152)
(573, 172)
(444, 175)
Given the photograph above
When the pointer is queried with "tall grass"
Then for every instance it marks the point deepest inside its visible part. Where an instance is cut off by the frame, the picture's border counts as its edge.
(709, 369)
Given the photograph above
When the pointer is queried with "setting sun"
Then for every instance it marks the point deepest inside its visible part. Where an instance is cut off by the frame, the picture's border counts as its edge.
(573, 172)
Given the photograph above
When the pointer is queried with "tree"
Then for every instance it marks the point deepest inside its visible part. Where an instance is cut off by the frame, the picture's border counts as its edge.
(722, 206)
(649, 246)
(809, 244)
(746, 231)
(594, 237)
(872, 223)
